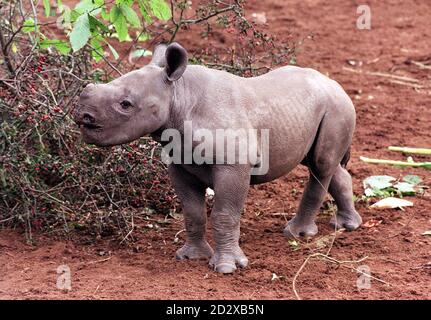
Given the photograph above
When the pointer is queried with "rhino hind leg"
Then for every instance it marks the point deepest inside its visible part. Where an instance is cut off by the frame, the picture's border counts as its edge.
(340, 189)
(303, 225)
(329, 149)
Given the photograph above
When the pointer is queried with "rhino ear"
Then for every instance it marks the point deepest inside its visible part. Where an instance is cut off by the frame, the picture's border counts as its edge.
(159, 58)
(176, 61)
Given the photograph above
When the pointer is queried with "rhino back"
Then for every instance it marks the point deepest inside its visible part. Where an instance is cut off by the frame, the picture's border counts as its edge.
(289, 102)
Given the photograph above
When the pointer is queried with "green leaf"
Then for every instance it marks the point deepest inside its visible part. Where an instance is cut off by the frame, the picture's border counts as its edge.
(114, 14)
(127, 2)
(80, 33)
(130, 15)
(114, 52)
(383, 193)
(85, 6)
(28, 26)
(97, 49)
(145, 11)
(412, 179)
(96, 25)
(47, 7)
(60, 5)
(142, 36)
(120, 23)
(160, 9)
(141, 53)
(105, 15)
(67, 18)
(369, 192)
(61, 46)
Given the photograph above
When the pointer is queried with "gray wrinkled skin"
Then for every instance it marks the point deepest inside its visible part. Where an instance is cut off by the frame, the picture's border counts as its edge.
(311, 121)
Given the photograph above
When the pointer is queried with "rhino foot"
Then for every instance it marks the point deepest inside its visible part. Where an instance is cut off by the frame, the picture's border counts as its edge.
(295, 229)
(349, 220)
(199, 250)
(226, 262)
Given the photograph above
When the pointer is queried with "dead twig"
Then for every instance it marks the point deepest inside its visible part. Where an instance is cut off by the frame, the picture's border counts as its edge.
(407, 84)
(381, 74)
(5, 51)
(97, 261)
(420, 65)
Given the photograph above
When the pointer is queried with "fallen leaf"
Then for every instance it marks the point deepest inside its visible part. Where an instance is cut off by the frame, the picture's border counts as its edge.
(294, 244)
(378, 182)
(412, 179)
(391, 203)
(372, 223)
(275, 277)
(405, 188)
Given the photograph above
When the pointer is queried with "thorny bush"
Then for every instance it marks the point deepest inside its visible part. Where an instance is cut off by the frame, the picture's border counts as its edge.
(51, 180)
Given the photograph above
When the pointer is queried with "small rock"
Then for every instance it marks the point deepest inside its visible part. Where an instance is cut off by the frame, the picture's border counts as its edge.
(259, 17)
(354, 63)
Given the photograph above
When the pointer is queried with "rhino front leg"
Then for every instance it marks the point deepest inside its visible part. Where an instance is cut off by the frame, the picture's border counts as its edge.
(191, 193)
(231, 184)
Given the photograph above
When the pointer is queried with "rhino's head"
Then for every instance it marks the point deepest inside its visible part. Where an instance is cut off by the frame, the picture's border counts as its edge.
(136, 104)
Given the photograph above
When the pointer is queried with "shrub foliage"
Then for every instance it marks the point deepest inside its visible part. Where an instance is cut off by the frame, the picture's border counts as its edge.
(50, 179)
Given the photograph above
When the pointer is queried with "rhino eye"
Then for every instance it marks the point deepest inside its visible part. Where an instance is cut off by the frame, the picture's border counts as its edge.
(125, 104)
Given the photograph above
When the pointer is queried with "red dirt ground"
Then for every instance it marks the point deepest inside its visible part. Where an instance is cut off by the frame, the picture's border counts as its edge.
(388, 114)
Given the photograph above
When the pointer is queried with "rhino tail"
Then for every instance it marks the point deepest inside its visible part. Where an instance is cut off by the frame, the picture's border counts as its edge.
(346, 158)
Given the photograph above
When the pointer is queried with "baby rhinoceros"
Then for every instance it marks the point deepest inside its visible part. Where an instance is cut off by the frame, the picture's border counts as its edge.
(307, 117)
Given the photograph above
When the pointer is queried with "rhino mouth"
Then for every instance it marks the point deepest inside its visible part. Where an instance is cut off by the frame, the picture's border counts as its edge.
(90, 126)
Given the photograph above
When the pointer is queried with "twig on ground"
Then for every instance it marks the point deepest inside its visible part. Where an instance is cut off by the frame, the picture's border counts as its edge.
(381, 74)
(420, 65)
(130, 231)
(408, 84)
(97, 261)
